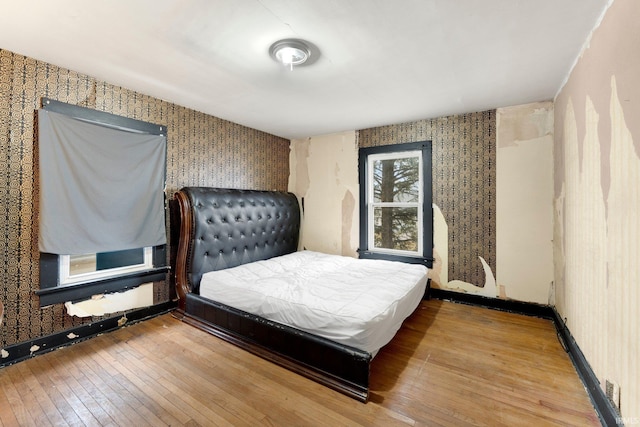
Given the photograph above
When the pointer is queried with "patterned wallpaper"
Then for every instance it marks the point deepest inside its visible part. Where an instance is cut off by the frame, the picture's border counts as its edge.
(202, 150)
(464, 183)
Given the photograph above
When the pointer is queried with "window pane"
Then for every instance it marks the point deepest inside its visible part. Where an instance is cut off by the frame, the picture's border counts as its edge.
(80, 264)
(396, 180)
(396, 228)
(89, 263)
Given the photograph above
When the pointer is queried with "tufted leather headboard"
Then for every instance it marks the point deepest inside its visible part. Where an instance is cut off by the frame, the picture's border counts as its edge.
(222, 228)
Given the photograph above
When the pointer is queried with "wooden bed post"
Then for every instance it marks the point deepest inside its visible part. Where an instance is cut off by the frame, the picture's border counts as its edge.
(186, 229)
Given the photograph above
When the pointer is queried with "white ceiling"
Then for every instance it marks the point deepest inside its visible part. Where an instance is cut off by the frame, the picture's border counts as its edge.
(381, 61)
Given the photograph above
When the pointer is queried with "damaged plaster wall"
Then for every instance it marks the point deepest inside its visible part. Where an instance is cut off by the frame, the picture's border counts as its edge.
(524, 199)
(524, 214)
(464, 190)
(597, 200)
(324, 177)
(99, 305)
(439, 274)
(324, 174)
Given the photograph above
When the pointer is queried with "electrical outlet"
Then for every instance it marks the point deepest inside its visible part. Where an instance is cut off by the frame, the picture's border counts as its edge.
(612, 391)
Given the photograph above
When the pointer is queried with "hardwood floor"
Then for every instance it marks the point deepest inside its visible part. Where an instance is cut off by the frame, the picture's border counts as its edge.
(449, 365)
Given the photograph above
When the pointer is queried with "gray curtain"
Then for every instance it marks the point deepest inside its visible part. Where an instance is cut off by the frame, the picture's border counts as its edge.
(101, 189)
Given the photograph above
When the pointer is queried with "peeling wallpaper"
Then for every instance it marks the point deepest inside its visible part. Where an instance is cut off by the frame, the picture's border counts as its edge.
(464, 185)
(493, 197)
(324, 174)
(597, 200)
(202, 150)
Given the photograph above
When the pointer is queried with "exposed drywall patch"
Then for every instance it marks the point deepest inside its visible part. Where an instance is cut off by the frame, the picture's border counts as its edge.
(621, 131)
(4, 353)
(502, 291)
(99, 305)
(523, 123)
(552, 294)
(330, 165)
(558, 247)
(34, 348)
(299, 166)
(348, 208)
(439, 273)
(72, 336)
(524, 195)
(122, 320)
(490, 288)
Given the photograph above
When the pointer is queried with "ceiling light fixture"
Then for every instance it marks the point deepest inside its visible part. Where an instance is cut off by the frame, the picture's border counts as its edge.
(291, 52)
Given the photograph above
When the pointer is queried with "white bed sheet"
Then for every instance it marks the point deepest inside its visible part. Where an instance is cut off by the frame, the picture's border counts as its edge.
(360, 303)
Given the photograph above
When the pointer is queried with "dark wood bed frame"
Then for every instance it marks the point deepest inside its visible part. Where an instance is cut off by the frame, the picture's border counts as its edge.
(222, 228)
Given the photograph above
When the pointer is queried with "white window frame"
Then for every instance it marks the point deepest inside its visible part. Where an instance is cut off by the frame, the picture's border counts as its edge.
(371, 204)
(66, 278)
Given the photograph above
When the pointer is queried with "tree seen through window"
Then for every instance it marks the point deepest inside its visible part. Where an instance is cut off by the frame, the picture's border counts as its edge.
(396, 200)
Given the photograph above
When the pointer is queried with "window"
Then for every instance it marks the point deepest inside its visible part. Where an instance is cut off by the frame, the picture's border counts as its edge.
(88, 267)
(395, 200)
(102, 204)
(396, 220)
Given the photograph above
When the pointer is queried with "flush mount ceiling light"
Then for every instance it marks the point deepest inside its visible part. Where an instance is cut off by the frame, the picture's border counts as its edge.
(291, 52)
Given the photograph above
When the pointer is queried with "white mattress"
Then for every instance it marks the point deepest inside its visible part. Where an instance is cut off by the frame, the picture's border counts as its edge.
(360, 303)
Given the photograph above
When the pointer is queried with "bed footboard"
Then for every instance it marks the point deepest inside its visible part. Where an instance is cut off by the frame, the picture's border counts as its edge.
(342, 368)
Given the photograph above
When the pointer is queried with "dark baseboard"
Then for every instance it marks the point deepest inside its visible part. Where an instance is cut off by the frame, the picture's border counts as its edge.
(512, 306)
(604, 408)
(609, 416)
(21, 351)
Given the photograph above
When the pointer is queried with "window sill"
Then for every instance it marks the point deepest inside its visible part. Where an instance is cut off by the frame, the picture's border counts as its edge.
(81, 291)
(410, 259)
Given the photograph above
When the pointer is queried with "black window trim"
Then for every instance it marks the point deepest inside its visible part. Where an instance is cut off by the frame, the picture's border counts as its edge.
(51, 292)
(427, 200)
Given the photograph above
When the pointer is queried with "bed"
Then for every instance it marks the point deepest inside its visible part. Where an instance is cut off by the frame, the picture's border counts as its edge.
(239, 276)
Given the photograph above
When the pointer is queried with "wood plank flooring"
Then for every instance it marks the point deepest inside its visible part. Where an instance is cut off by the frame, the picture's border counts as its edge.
(449, 365)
